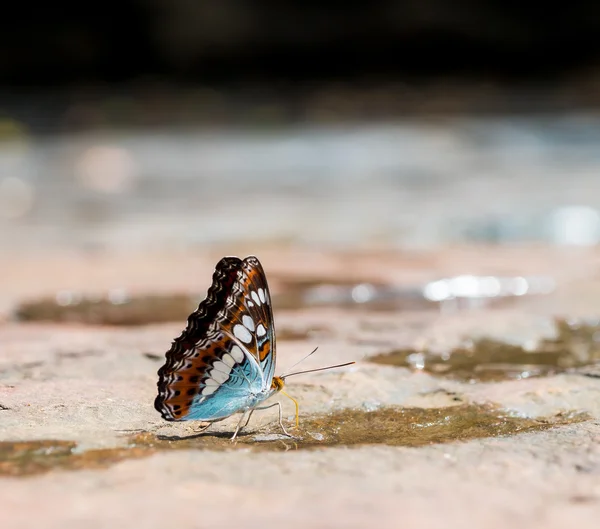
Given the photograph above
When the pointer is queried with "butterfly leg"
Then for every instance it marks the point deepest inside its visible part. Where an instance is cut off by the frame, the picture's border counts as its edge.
(281, 420)
(278, 404)
(248, 419)
(239, 426)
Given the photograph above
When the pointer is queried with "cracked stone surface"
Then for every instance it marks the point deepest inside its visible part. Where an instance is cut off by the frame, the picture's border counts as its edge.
(95, 385)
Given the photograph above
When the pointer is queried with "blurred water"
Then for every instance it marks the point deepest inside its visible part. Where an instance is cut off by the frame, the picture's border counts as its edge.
(414, 183)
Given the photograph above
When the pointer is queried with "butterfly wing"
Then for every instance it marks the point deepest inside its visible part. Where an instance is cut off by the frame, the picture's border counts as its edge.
(226, 355)
(257, 314)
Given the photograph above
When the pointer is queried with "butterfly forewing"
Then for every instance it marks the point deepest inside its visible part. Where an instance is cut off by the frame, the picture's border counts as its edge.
(208, 370)
(257, 313)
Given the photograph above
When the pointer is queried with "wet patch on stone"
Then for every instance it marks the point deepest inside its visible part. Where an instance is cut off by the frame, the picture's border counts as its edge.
(36, 457)
(392, 426)
(314, 332)
(120, 307)
(447, 295)
(113, 308)
(577, 344)
(328, 292)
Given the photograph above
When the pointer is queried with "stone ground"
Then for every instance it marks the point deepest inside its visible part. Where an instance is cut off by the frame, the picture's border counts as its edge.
(95, 385)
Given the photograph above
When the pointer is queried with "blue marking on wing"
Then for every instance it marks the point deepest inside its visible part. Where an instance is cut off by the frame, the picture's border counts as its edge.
(241, 391)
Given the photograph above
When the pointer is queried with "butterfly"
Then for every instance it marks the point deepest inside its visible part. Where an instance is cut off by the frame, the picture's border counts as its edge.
(224, 361)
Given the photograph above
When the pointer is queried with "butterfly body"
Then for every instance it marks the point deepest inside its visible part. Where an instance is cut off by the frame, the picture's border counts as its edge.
(223, 362)
(227, 404)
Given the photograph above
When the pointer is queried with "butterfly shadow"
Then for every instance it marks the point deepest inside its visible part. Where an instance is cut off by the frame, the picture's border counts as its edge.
(200, 435)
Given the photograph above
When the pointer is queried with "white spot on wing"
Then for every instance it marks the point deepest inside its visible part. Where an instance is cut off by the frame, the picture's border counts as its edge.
(228, 360)
(242, 334)
(211, 386)
(209, 390)
(260, 330)
(219, 376)
(237, 354)
(219, 365)
(261, 294)
(250, 304)
(248, 322)
(255, 298)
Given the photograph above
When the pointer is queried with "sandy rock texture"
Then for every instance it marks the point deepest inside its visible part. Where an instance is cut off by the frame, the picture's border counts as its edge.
(95, 385)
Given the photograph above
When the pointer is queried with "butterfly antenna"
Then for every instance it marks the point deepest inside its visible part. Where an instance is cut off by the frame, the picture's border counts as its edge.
(301, 360)
(318, 369)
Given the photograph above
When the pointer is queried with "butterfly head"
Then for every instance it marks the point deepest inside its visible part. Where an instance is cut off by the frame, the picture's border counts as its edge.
(277, 384)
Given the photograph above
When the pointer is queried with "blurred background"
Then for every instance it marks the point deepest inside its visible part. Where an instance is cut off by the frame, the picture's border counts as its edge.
(173, 125)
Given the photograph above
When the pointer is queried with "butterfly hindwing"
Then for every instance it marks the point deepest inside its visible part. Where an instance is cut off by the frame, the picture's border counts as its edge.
(227, 352)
